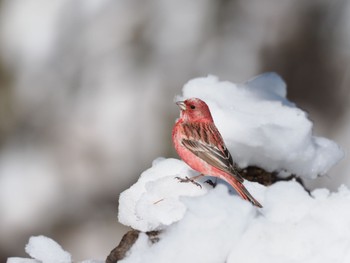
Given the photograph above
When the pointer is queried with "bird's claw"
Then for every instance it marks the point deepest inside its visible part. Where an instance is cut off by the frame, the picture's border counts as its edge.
(210, 182)
(187, 180)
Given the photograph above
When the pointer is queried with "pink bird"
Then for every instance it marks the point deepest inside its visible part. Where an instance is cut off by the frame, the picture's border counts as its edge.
(199, 144)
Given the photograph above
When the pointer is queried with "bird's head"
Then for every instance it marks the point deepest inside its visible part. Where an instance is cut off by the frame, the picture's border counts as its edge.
(194, 109)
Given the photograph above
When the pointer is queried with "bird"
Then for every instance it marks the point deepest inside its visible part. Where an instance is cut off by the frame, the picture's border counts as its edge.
(199, 143)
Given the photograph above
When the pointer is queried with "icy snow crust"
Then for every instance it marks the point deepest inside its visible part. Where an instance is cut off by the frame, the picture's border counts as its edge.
(260, 126)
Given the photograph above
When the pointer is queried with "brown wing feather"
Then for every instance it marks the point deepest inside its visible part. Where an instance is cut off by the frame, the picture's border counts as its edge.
(211, 154)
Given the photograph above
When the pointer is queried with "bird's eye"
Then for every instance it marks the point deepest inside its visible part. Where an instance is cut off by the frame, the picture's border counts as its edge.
(192, 107)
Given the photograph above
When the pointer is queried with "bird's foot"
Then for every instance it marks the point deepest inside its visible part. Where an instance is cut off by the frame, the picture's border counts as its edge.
(187, 180)
(210, 182)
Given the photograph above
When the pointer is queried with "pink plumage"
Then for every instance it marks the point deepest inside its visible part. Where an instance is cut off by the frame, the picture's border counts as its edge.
(199, 143)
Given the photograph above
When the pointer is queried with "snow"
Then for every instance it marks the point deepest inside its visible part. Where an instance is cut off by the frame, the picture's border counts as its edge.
(262, 127)
(292, 227)
(21, 260)
(45, 250)
(154, 201)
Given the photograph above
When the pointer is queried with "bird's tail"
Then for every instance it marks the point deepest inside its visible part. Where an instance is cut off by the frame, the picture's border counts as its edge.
(242, 191)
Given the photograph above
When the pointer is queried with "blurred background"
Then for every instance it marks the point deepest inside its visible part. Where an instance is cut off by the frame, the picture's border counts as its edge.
(87, 89)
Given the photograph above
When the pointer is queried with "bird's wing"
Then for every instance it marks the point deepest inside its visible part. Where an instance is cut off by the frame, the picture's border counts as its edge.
(213, 155)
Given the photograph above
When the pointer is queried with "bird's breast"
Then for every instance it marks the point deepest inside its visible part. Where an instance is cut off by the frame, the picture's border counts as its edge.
(186, 155)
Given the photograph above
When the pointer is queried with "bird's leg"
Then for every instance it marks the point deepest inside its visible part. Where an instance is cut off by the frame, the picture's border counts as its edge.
(192, 179)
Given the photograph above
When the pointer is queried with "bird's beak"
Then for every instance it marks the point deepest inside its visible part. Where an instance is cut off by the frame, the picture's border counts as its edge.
(181, 104)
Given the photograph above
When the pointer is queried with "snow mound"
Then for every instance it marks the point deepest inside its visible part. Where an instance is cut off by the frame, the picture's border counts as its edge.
(154, 201)
(262, 127)
(292, 227)
(45, 250)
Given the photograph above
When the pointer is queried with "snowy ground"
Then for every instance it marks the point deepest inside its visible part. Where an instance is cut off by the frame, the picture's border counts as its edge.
(260, 127)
